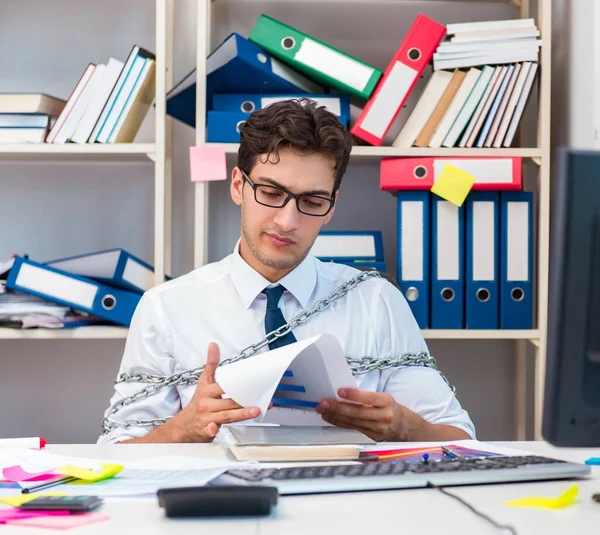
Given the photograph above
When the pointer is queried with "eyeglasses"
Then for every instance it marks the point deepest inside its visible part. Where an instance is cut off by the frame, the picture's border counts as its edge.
(275, 197)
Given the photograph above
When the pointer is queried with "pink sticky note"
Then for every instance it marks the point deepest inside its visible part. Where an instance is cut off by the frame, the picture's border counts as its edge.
(7, 515)
(61, 522)
(207, 164)
(16, 474)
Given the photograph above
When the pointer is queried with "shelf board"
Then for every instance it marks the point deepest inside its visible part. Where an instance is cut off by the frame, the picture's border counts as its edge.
(483, 334)
(135, 152)
(96, 332)
(118, 333)
(368, 153)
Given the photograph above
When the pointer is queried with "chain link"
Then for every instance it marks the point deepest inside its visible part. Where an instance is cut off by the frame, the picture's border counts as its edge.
(358, 366)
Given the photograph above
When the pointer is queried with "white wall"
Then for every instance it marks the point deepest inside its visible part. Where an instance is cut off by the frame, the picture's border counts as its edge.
(60, 389)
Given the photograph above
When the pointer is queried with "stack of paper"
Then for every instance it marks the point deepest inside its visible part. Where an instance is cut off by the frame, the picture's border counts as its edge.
(134, 478)
(488, 43)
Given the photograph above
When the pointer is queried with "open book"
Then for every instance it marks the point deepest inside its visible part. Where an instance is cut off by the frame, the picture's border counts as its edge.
(292, 443)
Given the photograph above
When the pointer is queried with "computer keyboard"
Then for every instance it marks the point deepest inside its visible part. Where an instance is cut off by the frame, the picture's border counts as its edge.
(379, 475)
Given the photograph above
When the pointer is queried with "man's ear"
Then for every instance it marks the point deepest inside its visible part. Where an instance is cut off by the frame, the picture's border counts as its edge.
(236, 186)
(330, 214)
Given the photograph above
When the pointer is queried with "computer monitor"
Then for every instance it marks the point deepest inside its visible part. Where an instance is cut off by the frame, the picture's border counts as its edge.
(572, 393)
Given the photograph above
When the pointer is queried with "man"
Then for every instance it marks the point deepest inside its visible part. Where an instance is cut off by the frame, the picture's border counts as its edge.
(291, 161)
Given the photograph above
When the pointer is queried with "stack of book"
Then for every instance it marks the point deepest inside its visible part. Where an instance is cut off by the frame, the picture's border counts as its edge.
(482, 79)
(107, 105)
(103, 287)
(27, 117)
(109, 101)
(483, 74)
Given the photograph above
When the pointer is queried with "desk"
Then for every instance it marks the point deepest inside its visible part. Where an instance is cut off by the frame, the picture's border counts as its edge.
(403, 512)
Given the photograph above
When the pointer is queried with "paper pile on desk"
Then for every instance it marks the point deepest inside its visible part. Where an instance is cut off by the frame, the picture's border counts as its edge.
(137, 478)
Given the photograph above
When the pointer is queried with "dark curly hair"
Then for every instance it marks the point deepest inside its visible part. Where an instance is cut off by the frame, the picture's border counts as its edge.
(298, 124)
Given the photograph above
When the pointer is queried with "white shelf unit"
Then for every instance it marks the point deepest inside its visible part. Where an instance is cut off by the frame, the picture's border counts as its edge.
(158, 152)
(539, 154)
(117, 333)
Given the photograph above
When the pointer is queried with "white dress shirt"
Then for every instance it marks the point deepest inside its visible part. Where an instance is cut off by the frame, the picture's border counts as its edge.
(222, 302)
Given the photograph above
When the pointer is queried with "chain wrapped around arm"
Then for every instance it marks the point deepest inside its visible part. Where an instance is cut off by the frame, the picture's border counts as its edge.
(359, 366)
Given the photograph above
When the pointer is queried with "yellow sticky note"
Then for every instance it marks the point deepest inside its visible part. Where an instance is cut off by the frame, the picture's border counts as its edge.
(453, 184)
(90, 476)
(20, 499)
(542, 502)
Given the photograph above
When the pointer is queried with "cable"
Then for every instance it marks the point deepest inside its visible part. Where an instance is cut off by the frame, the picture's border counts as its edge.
(489, 519)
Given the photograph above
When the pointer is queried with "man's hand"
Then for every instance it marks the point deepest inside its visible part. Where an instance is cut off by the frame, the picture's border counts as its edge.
(377, 415)
(200, 420)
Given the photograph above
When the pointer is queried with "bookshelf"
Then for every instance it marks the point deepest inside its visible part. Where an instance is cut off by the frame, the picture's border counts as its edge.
(156, 153)
(367, 153)
(135, 152)
(524, 341)
(117, 333)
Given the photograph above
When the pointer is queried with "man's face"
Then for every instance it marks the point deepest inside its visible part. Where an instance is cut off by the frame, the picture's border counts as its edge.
(275, 240)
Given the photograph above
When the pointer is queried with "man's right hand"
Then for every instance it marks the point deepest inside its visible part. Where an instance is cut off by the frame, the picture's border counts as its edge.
(200, 420)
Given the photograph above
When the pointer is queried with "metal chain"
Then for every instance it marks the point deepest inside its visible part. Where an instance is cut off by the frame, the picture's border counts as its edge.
(358, 366)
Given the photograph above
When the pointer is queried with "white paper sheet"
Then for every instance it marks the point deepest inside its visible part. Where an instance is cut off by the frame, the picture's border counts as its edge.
(138, 478)
(316, 365)
(131, 482)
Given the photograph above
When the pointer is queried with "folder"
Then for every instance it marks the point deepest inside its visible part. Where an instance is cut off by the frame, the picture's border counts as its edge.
(237, 66)
(224, 126)
(115, 267)
(482, 248)
(447, 265)
(248, 102)
(319, 61)
(360, 249)
(516, 260)
(399, 79)
(491, 173)
(80, 293)
(413, 252)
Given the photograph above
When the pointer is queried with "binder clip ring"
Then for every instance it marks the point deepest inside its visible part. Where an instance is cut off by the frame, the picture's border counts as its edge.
(247, 106)
(239, 125)
(109, 302)
(411, 294)
(483, 295)
(287, 43)
(420, 172)
(414, 54)
(447, 294)
(517, 294)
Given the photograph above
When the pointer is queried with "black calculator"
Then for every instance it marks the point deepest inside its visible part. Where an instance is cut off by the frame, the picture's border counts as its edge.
(75, 504)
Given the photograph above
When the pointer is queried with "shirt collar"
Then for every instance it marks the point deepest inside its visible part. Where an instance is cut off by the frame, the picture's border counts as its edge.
(300, 282)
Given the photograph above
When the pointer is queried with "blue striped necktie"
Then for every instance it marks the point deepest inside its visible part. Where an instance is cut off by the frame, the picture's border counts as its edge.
(274, 317)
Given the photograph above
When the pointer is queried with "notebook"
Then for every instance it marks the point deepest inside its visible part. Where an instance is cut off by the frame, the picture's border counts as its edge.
(292, 443)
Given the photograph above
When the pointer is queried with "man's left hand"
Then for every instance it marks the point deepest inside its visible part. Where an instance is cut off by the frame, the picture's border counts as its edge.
(375, 414)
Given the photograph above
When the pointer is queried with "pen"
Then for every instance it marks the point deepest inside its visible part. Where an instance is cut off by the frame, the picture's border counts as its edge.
(451, 453)
(49, 484)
